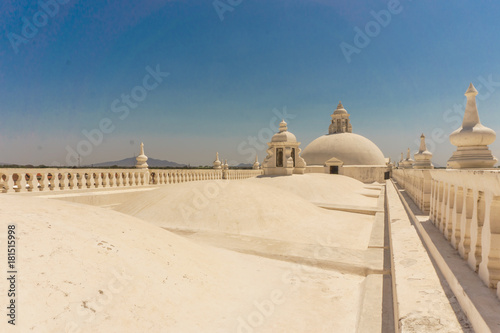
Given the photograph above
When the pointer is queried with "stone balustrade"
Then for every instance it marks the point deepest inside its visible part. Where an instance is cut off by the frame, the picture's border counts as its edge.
(465, 206)
(417, 183)
(50, 179)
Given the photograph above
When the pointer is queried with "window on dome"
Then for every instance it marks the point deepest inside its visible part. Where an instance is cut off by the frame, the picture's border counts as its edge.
(293, 156)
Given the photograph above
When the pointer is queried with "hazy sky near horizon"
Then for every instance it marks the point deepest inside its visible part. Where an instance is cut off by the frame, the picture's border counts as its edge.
(190, 78)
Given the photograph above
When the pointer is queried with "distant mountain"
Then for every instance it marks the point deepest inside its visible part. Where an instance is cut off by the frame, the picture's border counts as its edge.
(438, 165)
(244, 165)
(130, 162)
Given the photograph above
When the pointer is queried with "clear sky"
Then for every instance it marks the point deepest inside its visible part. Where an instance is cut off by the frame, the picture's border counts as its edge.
(189, 78)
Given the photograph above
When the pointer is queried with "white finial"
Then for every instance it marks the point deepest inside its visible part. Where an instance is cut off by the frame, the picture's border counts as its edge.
(283, 126)
(217, 163)
(423, 146)
(141, 159)
(256, 165)
(471, 116)
(471, 90)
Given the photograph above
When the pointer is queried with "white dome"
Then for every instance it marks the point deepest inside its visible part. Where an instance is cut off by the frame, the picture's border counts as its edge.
(284, 137)
(350, 148)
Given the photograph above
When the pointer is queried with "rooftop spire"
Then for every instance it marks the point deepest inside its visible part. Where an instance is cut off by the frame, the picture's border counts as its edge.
(217, 163)
(471, 116)
(471, 90)
(141, 159)
(423, 156)
(472, 139)
(423, 146)
(256, 165)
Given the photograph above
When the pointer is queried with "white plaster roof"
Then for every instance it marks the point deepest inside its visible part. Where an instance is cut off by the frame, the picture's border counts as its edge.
(89, 269)
(350, 148)
(271, 207)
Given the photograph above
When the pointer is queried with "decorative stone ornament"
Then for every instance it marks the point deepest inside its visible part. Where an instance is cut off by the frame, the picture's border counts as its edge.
(217, 162)
(423, 156)
(225, 170)
(408, 162)
(400, 163)
(141, 159)
(283, 154)
(472, 139)
(256, 165)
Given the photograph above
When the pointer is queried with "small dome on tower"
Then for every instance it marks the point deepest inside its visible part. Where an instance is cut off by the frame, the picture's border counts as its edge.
(340, 109)
(283, 135)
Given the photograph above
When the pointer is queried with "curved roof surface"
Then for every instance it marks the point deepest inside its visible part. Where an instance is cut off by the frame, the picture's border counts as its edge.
(350, 148)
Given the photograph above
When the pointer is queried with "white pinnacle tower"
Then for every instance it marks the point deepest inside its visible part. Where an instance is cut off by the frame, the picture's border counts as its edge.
(141, 159)
(217, 162)
(256, 165)
(423, 156)
(408, 162)
(472, 139)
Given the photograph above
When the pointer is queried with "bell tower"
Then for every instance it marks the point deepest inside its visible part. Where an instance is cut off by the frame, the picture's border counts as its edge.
(340, 121)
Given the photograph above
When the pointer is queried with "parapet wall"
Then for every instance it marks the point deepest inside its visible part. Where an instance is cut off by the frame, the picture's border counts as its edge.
(465, 206)
(366, 173)
(52, 179)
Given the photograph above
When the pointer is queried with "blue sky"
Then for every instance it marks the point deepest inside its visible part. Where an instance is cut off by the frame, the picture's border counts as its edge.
(228, 79)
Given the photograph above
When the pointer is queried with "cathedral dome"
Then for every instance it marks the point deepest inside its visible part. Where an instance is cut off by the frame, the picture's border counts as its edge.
(350, 148)
(342, 144)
